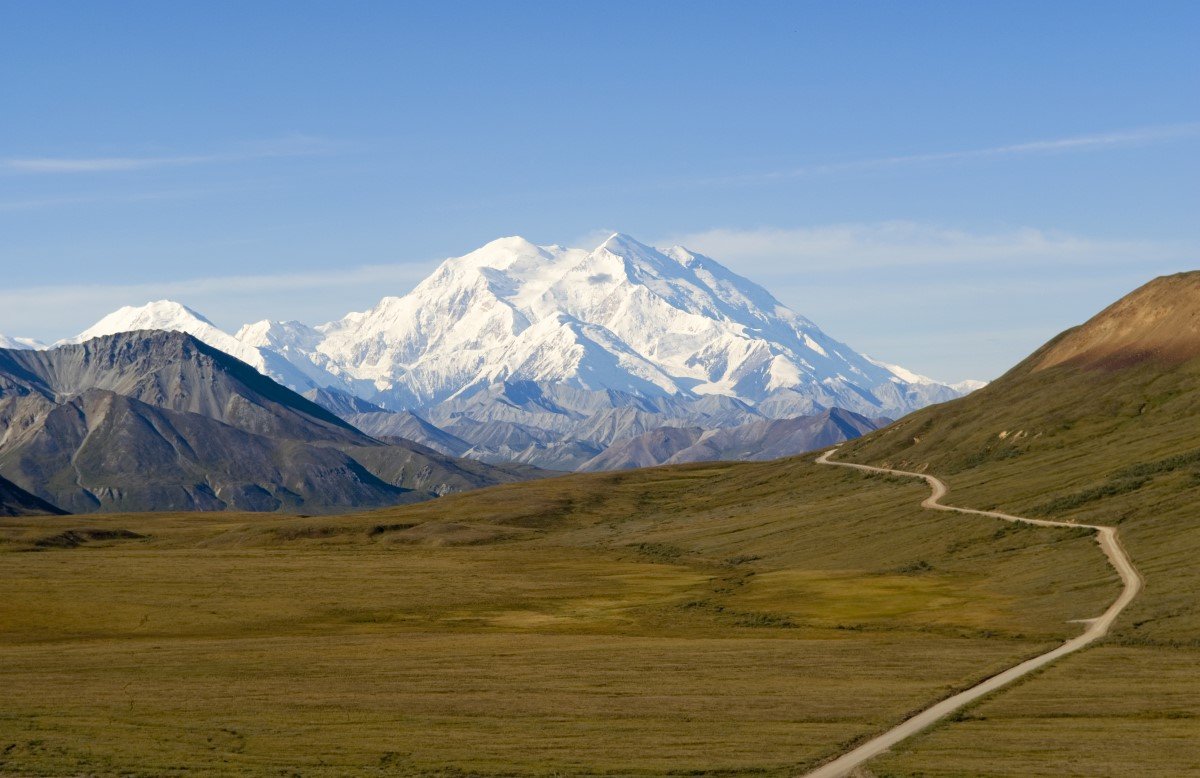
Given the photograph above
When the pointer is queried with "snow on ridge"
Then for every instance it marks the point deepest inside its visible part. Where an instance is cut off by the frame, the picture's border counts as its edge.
(173, 316)
(21, 344)
(707, 329)
(623, 316)
(157, 315)
(907, 376)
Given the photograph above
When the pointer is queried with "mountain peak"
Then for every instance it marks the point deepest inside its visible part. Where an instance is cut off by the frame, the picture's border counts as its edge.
(166, 308)
(269, 333)
(157, 315)
(619, 240)
(509, 243)
(20, 343)
(624, 317)
(262, 350)
(502, 252)
(642, 260)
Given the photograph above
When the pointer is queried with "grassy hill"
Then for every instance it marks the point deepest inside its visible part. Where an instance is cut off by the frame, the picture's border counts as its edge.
(1100, 425)
(732, 619)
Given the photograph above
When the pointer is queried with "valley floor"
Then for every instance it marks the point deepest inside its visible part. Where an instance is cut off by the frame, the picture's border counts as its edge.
(1130, 705)
(729, 619)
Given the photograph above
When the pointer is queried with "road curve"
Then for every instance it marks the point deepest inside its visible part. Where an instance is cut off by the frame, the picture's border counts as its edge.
(1097, 628)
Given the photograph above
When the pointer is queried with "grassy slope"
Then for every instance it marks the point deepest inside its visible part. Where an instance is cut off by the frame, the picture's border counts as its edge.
(1115, 446)
(734, 618)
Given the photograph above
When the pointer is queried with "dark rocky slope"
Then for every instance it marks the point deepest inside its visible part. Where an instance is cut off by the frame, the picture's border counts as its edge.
(760, 440)
(160, 421)
(15, 501)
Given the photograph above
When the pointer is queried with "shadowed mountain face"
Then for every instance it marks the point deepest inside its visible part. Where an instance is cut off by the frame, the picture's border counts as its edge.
(760, 440)
(15, 501)
(407, 425)
(161, 421)
(559, 430)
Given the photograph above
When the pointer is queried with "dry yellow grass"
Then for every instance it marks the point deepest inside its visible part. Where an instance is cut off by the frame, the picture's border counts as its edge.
(1111, 711)
(733, 619)
(1117, 446)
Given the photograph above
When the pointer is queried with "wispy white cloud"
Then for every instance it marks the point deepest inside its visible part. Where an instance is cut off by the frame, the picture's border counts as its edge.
(101, 164)
(1134, 137)
(295, 146)
(903, 243)
(105, 198)
(1141, 136)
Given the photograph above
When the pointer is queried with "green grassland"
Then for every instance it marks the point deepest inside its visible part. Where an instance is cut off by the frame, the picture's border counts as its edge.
(734, 619)
(1118, 447)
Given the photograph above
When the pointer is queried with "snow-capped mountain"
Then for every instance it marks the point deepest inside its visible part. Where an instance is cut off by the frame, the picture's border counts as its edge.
(623, 317)
(549, 355)
(174, 317)
(21, 343)
(967, 386)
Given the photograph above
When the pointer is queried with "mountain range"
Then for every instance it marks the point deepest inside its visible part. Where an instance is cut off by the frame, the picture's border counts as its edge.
(549, 356)
(156, 420)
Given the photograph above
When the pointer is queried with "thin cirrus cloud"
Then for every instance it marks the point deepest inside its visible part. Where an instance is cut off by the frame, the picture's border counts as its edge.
(296, 146)
(107, 198)
(250, 285)
(1141, 136)
(907, 244)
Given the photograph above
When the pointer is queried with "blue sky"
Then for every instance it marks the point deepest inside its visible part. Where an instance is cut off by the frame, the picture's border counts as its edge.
(943, 186)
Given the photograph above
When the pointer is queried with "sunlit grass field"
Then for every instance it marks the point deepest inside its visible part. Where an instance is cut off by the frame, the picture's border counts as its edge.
(739, 619)
(1120, 448)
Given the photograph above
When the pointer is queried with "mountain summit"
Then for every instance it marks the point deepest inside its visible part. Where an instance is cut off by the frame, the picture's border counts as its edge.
(19, 343)
(548, 355)
(170, 316)
(623, 317)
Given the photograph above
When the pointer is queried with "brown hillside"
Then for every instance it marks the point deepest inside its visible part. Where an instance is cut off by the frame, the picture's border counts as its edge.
(1158, 321)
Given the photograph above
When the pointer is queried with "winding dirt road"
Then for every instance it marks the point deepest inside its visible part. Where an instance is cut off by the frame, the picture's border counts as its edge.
(1097, 628)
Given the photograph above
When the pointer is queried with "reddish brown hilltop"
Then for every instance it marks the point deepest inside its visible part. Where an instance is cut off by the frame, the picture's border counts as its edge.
(1159, 321)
